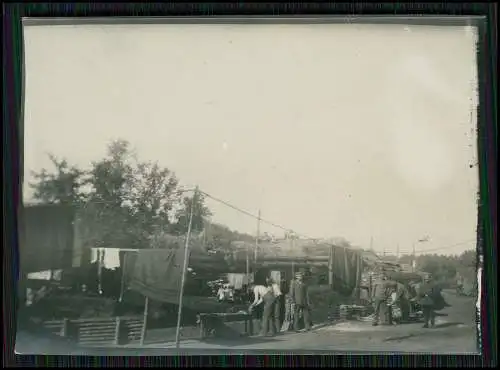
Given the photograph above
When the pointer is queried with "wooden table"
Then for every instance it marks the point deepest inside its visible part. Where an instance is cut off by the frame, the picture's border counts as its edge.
(209, 321)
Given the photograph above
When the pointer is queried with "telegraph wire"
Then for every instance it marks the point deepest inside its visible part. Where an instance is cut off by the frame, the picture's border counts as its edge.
(278, 226)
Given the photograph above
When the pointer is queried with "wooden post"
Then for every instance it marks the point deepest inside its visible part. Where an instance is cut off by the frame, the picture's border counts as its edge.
(370, 286)
(248, 260)
(118, 327)
(413, 262)
(184, 268)
(122, 283)
(330, 267)
(257, 239)
(65, 328)
(250, 325)
(145, 320)
(100, 263)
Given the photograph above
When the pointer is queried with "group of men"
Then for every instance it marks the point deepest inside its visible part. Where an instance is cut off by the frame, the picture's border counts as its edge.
(281, 302)
(388, 296)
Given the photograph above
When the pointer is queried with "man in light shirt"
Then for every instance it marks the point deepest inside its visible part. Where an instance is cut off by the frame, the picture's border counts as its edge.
(264, 294)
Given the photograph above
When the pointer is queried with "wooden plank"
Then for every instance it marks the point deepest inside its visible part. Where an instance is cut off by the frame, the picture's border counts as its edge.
(99, 340)
(101, 330)
(96, 344)
(106, 319)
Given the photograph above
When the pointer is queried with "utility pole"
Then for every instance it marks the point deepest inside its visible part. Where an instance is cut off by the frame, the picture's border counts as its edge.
(414, 261)
(184, 268)
(257, 239)
(397, 251)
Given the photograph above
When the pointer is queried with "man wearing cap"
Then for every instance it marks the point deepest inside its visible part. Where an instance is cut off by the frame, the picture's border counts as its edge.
(300, 297)
(426, 297)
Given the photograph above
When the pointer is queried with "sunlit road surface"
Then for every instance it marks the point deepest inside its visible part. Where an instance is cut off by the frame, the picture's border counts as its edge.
(455, 332)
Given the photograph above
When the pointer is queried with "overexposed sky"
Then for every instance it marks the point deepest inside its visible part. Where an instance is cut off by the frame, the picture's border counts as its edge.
(359, 131)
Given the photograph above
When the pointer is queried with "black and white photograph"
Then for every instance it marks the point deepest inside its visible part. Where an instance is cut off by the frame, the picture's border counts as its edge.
(239, 186)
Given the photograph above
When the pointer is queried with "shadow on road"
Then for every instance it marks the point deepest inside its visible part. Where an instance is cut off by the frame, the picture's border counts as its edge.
(438, 314)
(241, 341)
(448, 324)
(424, 331)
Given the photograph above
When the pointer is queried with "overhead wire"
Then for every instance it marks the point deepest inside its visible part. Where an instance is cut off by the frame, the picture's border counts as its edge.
(274, 224)
(284, 228)
(447, 247)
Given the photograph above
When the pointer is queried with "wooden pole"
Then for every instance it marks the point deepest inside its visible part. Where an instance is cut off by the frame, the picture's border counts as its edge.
(293, 248)
(184, 268)
(248, 261)
(257, 239)
(122, 283)
(413, 262)
(145, 320)
(330, 267)
(100, 262)
(397, 251)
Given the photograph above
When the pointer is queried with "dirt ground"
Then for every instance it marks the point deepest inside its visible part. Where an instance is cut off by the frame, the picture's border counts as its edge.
(455, 332)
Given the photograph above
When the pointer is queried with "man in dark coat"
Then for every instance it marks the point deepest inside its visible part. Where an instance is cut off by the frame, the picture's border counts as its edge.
(300, 297)
(428, 296)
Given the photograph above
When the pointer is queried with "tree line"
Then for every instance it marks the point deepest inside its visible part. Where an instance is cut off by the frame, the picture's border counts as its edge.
(124, 201)
(445, 268)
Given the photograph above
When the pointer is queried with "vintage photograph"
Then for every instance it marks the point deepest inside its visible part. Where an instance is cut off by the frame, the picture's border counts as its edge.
(249, 186)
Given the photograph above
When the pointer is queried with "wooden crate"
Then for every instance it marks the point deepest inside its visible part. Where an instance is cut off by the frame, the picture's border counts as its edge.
(99, 331)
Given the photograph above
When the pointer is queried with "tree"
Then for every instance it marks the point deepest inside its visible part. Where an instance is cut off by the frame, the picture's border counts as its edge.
(128, 201)
(200, 212)
(152, 197)
(107, 210)
(468, 258)
(61, 186)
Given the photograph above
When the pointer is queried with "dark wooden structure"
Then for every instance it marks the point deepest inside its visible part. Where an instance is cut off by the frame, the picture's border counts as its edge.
(209, 322)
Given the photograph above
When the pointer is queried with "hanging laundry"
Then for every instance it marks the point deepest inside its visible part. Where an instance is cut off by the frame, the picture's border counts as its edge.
(41, 275)
(276, 276)
(158, 274)
(94, 255)
(237, 281)
(345, 267)
(111, 258)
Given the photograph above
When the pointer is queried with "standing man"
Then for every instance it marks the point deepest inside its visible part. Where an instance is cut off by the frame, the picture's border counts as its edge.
(264, 295)
(278, 304)
(460, 284)
(426, 297)
(300, 297)
(403, 301)
(379, 297)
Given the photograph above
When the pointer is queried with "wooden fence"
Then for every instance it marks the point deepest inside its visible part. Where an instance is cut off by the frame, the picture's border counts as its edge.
(96, 332)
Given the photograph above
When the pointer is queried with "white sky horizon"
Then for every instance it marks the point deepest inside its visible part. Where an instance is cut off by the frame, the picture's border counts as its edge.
(365, 132)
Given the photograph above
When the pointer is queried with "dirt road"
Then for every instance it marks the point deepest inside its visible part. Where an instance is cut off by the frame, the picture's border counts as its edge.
(455, 332)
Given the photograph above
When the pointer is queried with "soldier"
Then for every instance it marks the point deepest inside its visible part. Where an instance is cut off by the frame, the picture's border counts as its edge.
(426, 297)
(300, 298)
(380, 294)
